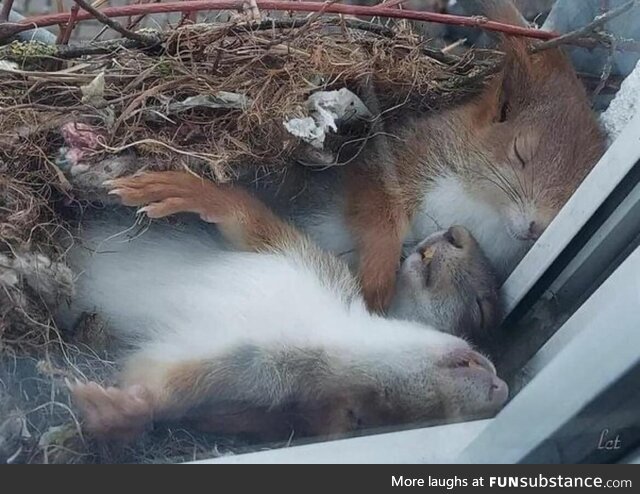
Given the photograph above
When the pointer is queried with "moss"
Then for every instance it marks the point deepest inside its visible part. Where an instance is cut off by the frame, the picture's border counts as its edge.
(20, 51)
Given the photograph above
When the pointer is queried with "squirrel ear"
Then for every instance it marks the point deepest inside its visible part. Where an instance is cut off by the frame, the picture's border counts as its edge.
(518, 47)
(503, 94)
(493, 101)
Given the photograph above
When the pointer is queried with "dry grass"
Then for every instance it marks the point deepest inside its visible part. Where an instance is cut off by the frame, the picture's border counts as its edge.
(277, 69)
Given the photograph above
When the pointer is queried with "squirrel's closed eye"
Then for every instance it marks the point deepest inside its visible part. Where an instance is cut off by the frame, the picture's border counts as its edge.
(516, 151)
(483, 320)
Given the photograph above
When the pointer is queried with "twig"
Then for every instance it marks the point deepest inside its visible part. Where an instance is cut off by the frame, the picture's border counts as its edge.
(453, 46)
(592, 80)
(192, 17)
(141, 38)
(606, 71)
(312, 18)
(303, 6)
(68, 52)
(66, 34)
(134, 22)
(266, 24)
(6, 10)
(61, 27)
(585, 31)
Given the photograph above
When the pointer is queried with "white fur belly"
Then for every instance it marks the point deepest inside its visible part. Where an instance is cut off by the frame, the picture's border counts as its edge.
(447, 204)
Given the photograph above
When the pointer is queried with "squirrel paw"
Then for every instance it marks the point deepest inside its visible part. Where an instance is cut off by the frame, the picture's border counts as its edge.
(111, 412)
(165, 193)
(378, 282)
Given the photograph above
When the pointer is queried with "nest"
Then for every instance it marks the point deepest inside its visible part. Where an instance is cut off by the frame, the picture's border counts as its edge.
(131, 97)
(271, 68)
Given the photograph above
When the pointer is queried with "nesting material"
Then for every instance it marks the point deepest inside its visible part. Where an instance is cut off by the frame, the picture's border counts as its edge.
(219, 94)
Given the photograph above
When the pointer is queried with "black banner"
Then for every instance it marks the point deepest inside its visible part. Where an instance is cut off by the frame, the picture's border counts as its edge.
(337, 478)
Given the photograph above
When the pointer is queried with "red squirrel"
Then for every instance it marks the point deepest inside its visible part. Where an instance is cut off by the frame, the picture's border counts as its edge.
(274, 335)
(502, 165)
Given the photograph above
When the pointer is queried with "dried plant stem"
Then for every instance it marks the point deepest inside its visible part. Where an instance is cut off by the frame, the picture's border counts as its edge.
(66, 34)
(587, 31)
(356, 10)
(6, 10)
(65, 52)
(113, 24)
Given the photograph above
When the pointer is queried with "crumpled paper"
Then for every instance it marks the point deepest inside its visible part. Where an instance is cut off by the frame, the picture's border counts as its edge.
(93, 95)
(327, 110)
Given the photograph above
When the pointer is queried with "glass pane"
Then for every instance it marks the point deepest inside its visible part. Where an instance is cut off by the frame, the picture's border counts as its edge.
(228, 231)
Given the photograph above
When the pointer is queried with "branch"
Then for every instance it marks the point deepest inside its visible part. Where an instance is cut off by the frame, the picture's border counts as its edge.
(141, 38)
(6, 10)
(381, 10)
(582, 34)
(73, 17)
(68, 52)
(303, 6)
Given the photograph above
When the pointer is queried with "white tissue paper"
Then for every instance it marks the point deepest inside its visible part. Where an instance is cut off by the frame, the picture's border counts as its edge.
(327, 110)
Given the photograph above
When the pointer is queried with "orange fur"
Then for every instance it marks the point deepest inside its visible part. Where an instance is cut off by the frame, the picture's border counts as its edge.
(118, 413)
(377, 218)
(244, 220)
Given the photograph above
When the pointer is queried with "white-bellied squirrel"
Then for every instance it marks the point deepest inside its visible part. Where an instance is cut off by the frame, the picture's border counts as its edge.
(276, 338)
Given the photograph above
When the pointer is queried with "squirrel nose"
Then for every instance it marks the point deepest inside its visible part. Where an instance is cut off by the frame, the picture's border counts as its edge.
(535, 230)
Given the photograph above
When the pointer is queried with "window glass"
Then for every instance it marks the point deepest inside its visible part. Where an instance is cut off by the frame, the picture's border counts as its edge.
(223, 231)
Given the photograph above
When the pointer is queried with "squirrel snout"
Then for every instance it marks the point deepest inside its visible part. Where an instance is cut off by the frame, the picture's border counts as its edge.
(535, 230)
(528, 225)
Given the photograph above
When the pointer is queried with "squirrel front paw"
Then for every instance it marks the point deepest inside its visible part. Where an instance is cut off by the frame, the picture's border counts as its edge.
(378, 289)
(165, 193)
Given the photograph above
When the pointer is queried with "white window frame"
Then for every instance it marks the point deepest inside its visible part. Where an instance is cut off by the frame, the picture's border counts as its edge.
(565, 370)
